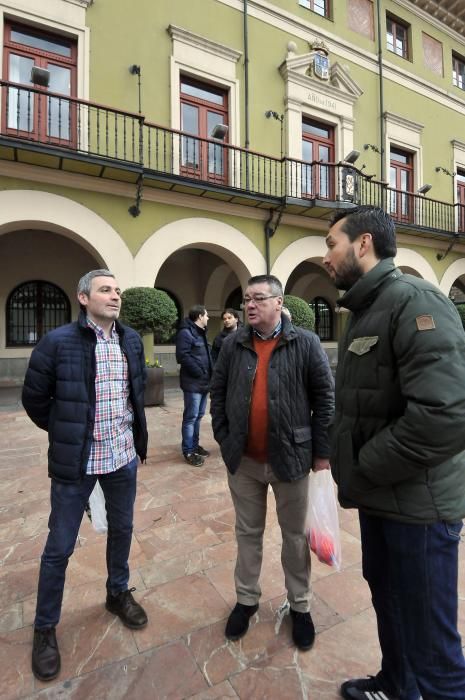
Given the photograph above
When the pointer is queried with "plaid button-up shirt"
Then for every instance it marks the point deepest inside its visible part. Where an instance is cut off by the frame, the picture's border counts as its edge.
(113, 441)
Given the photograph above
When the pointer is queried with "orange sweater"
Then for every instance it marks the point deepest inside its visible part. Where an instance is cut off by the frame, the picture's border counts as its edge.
(257, 442)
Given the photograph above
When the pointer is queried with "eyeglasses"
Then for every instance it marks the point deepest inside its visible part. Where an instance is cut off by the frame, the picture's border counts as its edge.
(258, 298)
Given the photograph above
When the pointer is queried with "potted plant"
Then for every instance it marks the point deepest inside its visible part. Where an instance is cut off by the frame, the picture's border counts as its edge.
(155, 387)
(153, 314)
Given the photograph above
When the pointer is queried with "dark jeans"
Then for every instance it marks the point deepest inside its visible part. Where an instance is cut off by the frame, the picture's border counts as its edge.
(194, 410)
(68, 502)
(412, 571)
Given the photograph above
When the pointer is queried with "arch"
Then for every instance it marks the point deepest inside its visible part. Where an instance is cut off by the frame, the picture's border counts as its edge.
(453, 272)
(36, 209)
(410, 258)
(215, 287)
(304, 249)
(208, 234)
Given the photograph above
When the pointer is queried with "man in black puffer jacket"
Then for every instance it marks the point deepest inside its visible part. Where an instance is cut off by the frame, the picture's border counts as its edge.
(271, 402)
(85, 387)
(398, 455)
(193, 354)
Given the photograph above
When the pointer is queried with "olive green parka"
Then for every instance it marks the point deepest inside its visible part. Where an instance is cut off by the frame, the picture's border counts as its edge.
(398, 436)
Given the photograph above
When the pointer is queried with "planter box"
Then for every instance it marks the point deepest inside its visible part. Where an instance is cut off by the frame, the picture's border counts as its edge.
(155, 388)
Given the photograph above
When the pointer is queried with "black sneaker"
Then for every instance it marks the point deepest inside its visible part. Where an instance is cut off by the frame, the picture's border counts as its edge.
(194, 459)
(303, 630)
(365, 689)
(202, 451)
(46, 660)
(130, 613)
(238, 621)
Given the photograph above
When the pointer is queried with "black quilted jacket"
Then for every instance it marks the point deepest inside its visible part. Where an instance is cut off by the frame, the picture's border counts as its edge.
(300, 400)
(59, 394)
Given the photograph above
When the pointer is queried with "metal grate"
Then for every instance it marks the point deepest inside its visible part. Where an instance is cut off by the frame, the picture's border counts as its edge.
(33, 309)
(323, 318)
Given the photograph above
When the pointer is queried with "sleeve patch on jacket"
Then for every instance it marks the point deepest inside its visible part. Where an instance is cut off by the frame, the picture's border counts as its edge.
(425, 322)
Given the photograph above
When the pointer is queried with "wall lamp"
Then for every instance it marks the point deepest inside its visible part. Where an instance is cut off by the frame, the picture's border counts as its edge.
(372, 147)
(440, 169)
(424, 188)
(219, 131)
(351, 157)
(270, 113)
(135, 70)
(40, 76)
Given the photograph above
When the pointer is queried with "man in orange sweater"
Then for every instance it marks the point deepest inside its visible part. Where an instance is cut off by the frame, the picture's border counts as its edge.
(271, 402)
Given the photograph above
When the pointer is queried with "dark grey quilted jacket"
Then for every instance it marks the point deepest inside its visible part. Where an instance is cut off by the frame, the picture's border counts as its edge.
(300, 400)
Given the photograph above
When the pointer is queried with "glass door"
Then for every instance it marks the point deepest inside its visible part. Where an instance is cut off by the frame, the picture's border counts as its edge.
(317, 149)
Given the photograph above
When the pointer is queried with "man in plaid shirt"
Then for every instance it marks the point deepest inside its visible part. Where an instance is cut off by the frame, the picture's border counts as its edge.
(85, 386)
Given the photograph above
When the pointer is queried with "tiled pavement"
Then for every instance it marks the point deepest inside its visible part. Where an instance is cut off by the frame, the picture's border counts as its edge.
(182, 562)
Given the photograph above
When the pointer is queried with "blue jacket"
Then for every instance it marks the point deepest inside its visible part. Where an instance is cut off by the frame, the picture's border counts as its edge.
(193, 354)
(59, 394)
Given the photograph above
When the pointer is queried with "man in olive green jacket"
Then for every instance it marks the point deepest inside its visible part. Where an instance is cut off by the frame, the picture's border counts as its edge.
(398, 455)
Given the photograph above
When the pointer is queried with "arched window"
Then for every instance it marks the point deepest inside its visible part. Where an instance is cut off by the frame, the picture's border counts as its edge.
(323, 318)
(33, 309)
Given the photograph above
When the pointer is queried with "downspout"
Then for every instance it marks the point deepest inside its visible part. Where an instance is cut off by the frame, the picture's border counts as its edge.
(381, 95)
(270, 227)
(246, 75)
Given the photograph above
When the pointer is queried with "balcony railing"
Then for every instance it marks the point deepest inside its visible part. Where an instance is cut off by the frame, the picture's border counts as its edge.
(84, 128)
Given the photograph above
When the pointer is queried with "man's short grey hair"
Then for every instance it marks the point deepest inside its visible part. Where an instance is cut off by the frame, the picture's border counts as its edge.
(85, 283)
(276, 288)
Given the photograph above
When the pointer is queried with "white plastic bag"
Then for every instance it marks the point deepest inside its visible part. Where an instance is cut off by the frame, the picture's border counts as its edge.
(98, 513)
(322, 527)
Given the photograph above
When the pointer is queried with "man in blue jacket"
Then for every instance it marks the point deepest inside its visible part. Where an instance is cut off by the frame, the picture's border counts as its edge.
(193, 354)
(85, 387)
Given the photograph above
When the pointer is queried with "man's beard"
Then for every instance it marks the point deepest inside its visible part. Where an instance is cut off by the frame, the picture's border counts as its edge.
(349, 272)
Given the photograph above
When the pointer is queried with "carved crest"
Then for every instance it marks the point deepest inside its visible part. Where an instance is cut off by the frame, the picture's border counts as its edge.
(319, 60)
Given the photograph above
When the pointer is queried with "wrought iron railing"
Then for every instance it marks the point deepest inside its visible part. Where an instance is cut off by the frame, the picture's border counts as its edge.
(87, 128)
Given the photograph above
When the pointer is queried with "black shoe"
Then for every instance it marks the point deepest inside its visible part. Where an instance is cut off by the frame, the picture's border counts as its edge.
(202, 451)
(238, 621)
(130, 613)
(303, 630)
(194, 459)
(46, 660)
(364, 689)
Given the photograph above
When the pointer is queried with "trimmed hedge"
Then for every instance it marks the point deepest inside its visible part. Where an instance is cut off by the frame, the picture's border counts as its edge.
(302, 314)
(149, 310)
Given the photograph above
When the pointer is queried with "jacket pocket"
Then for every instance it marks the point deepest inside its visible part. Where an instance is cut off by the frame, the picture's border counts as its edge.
(360, 346)
(302, 435)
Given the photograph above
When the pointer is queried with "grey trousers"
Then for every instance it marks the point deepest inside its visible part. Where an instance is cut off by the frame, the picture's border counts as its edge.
(249, 489)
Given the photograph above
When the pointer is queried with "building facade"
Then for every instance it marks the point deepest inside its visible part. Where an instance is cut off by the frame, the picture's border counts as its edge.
(189, 146)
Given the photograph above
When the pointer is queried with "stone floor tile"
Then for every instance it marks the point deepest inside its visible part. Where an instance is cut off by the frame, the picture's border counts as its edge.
(16, 680)
(168, 672)
(217, 692)
(179, 607)
(345, 592)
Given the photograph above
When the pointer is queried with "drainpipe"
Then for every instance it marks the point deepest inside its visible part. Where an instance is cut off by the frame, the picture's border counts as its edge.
(246, 75)
(381, 94)
(270, 227)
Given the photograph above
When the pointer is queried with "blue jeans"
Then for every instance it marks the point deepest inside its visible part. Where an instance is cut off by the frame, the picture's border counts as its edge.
(412, 571)
(68, 502)
(194, 410)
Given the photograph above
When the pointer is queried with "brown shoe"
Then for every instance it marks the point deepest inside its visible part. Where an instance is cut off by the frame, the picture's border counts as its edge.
(130, 613)
(46, 660)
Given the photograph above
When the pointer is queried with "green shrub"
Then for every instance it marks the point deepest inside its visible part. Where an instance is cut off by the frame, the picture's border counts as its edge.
(302, 314)
(461, 309)
(149, 310)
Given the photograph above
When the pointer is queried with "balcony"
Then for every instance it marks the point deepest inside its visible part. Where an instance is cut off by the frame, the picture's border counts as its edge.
(75, 135)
